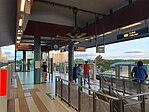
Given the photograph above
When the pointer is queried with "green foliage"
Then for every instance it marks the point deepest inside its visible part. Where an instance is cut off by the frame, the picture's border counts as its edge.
(3, 64)
(104, 65)
(79, 61)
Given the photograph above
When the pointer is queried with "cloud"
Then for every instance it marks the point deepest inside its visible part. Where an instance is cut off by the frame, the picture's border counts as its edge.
(134, 52)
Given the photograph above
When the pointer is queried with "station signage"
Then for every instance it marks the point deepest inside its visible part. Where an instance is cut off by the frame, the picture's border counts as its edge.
(80, 49)
(133, 34)
(24, 47)
(100, 49)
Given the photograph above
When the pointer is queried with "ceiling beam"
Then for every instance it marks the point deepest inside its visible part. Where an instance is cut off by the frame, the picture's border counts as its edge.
(127, 15)
(69, 7)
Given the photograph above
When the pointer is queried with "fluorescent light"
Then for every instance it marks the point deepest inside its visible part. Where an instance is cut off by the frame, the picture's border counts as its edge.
(20, 22)
(76, 43)
(18, 41)
(22, 5)
(18, 38)
(91, 37)
(105, 33)
(19, 33)
(132, 25)
(86, 39)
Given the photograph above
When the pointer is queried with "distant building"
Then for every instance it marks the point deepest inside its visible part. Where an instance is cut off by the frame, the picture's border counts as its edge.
(4, 58)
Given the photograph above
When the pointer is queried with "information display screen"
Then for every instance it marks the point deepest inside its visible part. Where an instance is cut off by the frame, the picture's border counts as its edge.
(132, 34)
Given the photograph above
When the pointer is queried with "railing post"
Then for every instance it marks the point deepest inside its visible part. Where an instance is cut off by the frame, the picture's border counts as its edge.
(61, 89)
(94, 102)
(139, 87)
(55, 86)
(122, 106)
(69, 94)
(79, 99)
(123, 87)
(112, 81)
(100, 84)
(111, 105)
(81, 81)
(142, 104)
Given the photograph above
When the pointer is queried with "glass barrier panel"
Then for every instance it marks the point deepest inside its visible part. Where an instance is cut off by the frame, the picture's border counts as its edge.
(86, 103)
(102, 106)
(74, 95)
(65, 92)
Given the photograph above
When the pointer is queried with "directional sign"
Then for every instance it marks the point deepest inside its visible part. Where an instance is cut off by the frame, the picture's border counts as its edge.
(133, 34)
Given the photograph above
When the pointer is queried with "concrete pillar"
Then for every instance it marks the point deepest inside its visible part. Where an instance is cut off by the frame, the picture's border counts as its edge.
(24, 61)
(71, 60)
(37, 60)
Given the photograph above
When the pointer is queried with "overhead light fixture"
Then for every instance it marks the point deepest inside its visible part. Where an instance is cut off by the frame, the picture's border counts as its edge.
(132, 25)
(22, 5)
(86, 39)
(18, 38)
(105, 33)
(91, 37)
(20, 22)
(18, 41)
(76, 43)
(20, 31)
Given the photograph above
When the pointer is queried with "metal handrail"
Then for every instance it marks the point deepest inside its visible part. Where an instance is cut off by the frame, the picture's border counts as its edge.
(111, 99)
(89, 89)
(122, 77)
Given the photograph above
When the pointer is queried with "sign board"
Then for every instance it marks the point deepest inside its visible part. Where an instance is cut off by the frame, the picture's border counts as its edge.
(100, 49)
(24, 47)
(80, 49)
(133, 34)
(37, 64)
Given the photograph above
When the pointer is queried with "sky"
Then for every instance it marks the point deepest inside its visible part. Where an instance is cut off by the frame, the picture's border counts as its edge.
(134, 49)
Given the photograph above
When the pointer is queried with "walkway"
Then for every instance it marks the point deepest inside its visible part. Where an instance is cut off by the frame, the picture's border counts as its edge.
(27, 97)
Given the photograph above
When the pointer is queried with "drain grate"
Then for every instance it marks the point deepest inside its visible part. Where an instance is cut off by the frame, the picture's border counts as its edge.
(50, 96)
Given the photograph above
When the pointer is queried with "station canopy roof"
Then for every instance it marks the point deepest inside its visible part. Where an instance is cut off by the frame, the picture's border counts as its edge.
(54, 20)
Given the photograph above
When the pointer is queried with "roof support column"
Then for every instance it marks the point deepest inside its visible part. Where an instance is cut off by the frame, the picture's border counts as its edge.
(71, 60)
(37, 60)
(24, 61)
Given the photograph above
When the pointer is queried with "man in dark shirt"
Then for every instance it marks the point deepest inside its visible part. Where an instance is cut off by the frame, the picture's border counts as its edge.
(44, 66)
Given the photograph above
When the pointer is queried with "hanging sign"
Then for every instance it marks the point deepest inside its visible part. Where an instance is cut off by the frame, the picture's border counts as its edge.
(80, 49)
(100, 49)
(133, 34)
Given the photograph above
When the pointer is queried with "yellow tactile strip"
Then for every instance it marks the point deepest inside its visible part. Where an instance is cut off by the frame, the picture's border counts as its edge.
(22, 101)
(41, 107)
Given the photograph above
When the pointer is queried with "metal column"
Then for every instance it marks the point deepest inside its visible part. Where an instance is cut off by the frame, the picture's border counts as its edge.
(37, 60)
(71, 60)
(24, 61)
(51, 68)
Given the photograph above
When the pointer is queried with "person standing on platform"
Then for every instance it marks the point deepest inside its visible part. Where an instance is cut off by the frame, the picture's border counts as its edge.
(79, 73)
(75, 72)
(86, 72)
(139, 73)
(44, 66)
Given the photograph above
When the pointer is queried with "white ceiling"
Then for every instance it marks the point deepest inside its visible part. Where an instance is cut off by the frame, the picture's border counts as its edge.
(52, 14)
